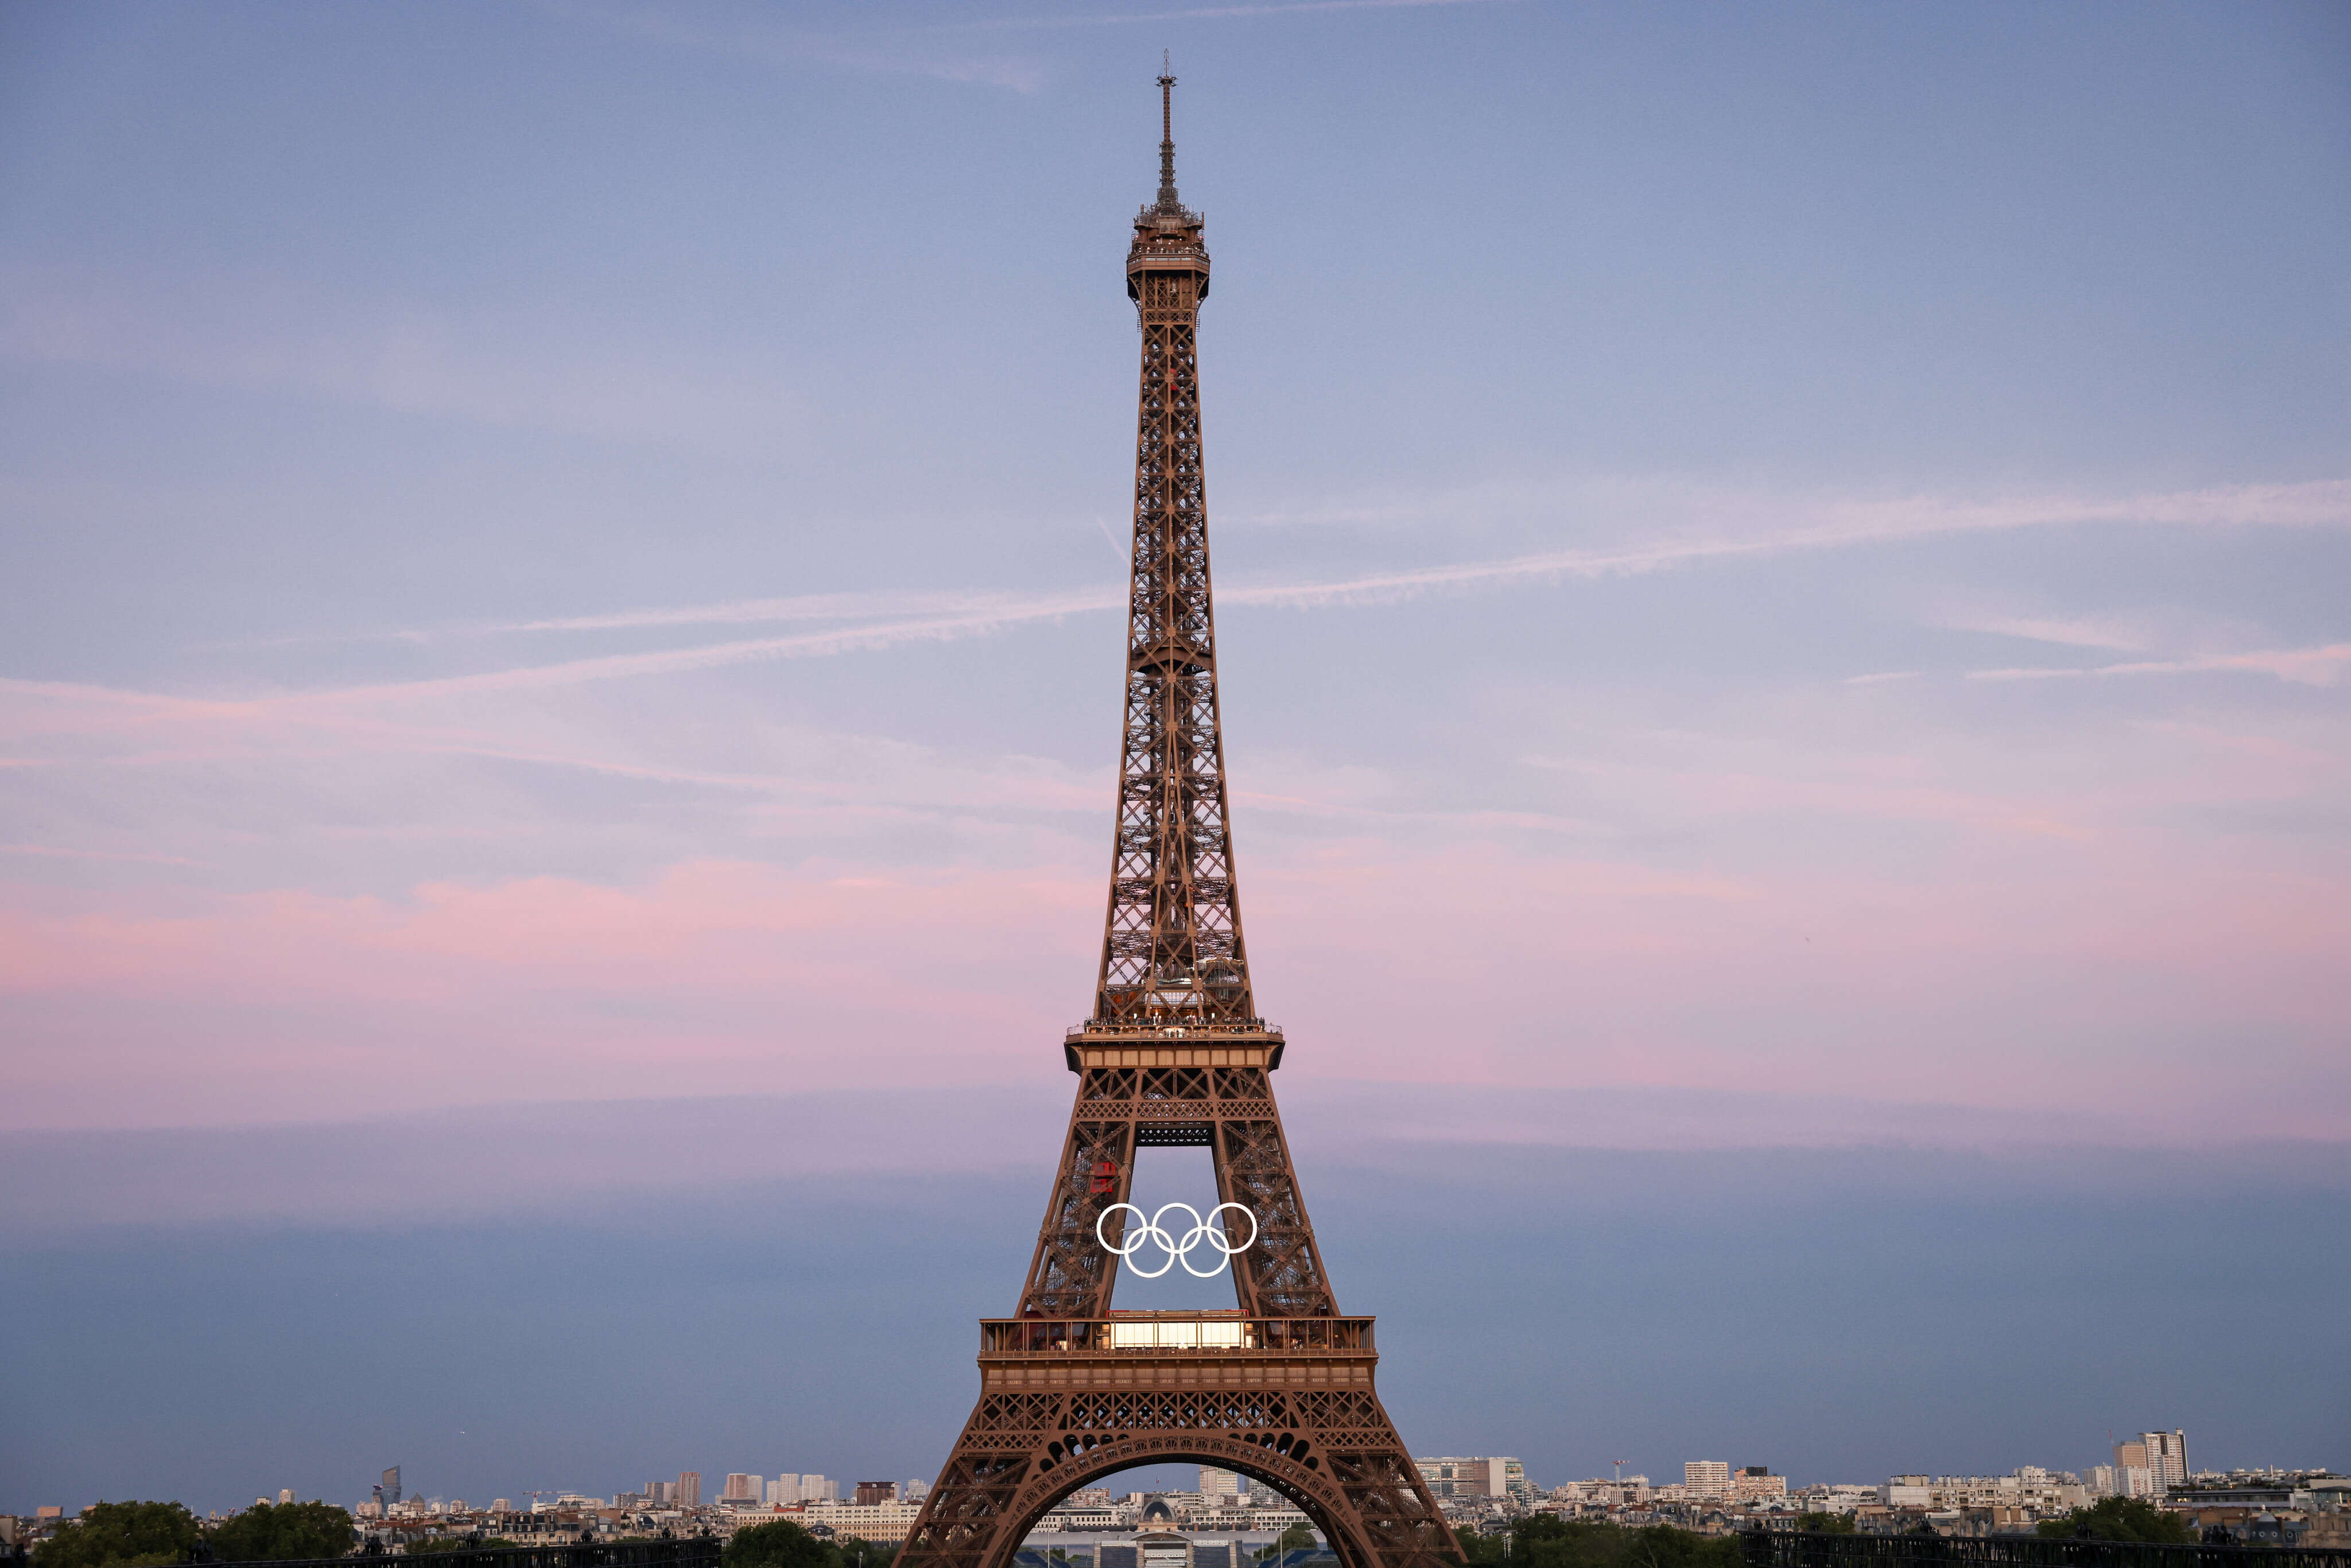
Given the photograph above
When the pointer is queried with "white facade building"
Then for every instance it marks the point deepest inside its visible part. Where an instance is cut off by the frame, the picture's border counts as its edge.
(2048, 1491)
(2167, 1459)
(1705, 1479)
(867, 1522)
(1474, 1478)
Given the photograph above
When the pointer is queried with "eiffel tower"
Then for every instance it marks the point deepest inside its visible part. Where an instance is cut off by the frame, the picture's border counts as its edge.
(1280, 1388)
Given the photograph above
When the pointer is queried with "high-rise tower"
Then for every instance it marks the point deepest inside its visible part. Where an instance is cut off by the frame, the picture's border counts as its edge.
(1279, 1389)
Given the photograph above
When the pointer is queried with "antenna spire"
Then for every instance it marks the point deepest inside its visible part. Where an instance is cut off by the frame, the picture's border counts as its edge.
(1167, 199)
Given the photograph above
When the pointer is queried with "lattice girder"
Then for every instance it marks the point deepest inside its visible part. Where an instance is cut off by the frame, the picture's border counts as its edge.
(1356, 1483)
(1175, 1054)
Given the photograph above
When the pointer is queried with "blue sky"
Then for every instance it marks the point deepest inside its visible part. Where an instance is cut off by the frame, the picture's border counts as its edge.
(589, 1297)
(1780, 573)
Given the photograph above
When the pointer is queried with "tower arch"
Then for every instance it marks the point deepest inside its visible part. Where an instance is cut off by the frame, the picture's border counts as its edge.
(1243, 1455)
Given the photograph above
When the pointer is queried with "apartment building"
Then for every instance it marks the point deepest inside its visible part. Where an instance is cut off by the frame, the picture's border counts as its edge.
(1706, 1480)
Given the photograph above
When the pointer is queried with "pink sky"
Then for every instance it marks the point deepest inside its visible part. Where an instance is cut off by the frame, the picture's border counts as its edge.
(1875, 889)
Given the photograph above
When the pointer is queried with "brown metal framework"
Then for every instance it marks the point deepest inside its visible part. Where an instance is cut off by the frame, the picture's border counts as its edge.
(1279, 1389)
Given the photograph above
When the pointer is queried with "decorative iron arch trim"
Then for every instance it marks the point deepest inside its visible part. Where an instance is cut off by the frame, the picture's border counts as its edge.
(1306, 1480)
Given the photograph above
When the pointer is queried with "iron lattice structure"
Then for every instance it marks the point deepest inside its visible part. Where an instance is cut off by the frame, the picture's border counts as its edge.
(1172, 950)
(1280, 1388)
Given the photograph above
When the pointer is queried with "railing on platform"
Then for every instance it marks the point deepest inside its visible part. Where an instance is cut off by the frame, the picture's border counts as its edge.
(1155, 1333)
(1815, 1549)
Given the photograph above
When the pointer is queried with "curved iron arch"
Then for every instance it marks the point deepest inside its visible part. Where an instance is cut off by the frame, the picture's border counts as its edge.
(1277, 1457)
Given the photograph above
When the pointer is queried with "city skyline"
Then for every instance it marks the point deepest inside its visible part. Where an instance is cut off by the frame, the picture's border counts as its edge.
(1700, 1479)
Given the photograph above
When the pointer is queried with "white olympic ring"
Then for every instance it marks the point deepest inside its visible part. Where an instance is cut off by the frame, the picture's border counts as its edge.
(1202, 1230)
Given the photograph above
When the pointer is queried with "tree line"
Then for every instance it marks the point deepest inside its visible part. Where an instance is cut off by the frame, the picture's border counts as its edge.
(153, 1534)
(781, 1543)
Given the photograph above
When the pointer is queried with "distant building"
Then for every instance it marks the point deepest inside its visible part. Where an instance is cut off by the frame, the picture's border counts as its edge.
(391, 1487)
(914, 1489)
(870, 1493)
(1756, 1482)
(1216, 1483)
(2165, 1454)
(285, 1496)
(689, 1489)
(2029, 1488)
(867, 1522)
(741, 1487)
(784, 1491)
(1473, 1478)
(1705, 1479)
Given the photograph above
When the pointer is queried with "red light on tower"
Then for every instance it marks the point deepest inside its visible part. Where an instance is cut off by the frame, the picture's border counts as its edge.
(1105, 1177)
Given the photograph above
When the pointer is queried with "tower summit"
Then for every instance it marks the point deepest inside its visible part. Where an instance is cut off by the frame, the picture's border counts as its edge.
(1167, 140)
(1279, 1388)
(1172, 949)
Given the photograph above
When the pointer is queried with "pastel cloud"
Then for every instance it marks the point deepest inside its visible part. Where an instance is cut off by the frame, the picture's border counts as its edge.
(1478, 965)
(278, 901)
(1760, 527)
(2323, 666)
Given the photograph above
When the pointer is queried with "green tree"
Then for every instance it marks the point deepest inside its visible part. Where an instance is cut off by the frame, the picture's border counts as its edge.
(1663, 1546)
(1826, 1523)
(2121, 1519)
(778, 1545)
(139, 1534)
(1478, 1549)
(1296, 1538)
(282, 1533)
(848, 1551)
(1546, 1540)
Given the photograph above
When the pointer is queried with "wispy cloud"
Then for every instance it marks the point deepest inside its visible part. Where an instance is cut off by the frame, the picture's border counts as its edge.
(1670, 506)
(1800, 526)
(55, 851)
(777, 611)
(884, 620)
(2323, 666)
(2072, 632)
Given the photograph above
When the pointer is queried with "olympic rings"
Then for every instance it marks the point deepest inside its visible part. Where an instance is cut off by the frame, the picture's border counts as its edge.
(1202, 1230)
